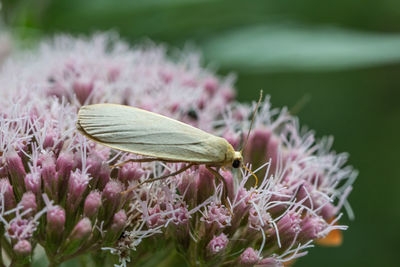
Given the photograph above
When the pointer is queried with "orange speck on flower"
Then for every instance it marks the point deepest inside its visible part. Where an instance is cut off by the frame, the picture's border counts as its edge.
(289, 263)
(334, 238)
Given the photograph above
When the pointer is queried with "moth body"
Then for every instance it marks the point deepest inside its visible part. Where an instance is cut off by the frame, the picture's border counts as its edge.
(149, 134)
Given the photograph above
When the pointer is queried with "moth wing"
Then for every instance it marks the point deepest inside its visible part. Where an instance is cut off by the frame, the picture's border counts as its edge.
(146, 133)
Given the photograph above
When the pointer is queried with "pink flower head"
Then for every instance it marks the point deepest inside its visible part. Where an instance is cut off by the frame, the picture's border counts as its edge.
(82, 89)
(249, 257)
(33, 182)
(155, 217)
(217, 244)
(65, 163)
(20, 228)
(92, 204)
(77, 185)
(312, 227)
(50, 167)
(28, 203)
(119, 221)
(56, 219)
(16, 169)
(7, 194)
(81, 230)
(23, 248)
(205, 182)
(112, 196)
(130, 172)
(259, 221)
(180, 215)
(289, 227)
(217, 214)
(49, 175)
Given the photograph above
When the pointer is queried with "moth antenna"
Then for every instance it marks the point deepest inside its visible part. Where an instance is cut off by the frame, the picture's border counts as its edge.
(252, 121)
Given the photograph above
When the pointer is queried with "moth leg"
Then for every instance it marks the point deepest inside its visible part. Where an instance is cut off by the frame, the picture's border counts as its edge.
(134, 160)
(141, 160)
(160, 178)
(220, 177)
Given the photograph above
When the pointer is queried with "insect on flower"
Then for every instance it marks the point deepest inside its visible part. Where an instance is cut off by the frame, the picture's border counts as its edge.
(158, 137)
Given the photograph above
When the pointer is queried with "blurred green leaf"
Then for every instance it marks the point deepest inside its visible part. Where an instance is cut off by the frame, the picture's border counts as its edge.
(295, 48)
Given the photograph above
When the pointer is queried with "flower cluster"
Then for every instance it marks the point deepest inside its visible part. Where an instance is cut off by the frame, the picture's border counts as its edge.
(57, 188)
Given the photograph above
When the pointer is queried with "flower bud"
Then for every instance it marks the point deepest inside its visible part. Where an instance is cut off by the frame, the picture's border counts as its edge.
(187, 185)
(218, 244)
(20, 229)
(249, 257)
(50, 140)
(81, 230)
(181, 216)
(256, 150)
(304, 193)
(82, 90)
(155, 217)
(130, 172)
(180, 223)
(55, 223)
(205, 183)
(78, 236)
(217, 214)
(257, 222)
(49, 176)
(116, 228)
(22, 248)
(311, 227)
(33, 182)
(77, 185)
(64, 165)
(94, 162)
(284, 194)
(92, 204)
(16, 170)
(229, 182)
(241, 206)
(119, 221)
(103, 176)
(289, 227)
(112, 198)
(328, 211)
(28, 202)
(8, 194)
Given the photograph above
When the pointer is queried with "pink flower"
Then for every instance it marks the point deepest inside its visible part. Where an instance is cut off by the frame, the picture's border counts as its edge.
(47, 166)
(217, 244)
(23, 248)
(249, 257)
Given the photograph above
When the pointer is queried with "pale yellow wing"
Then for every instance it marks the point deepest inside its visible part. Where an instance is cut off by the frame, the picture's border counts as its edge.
(146, 133)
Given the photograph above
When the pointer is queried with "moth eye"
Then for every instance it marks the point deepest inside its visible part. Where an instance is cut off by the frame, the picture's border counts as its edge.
(236, 163)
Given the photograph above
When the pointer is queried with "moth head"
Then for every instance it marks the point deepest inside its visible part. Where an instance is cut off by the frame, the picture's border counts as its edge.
(237, 159)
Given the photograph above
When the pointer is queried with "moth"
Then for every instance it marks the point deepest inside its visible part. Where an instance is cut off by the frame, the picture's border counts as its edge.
(157, 137)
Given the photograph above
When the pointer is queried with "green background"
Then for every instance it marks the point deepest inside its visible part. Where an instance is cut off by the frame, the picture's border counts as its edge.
(341, 59)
